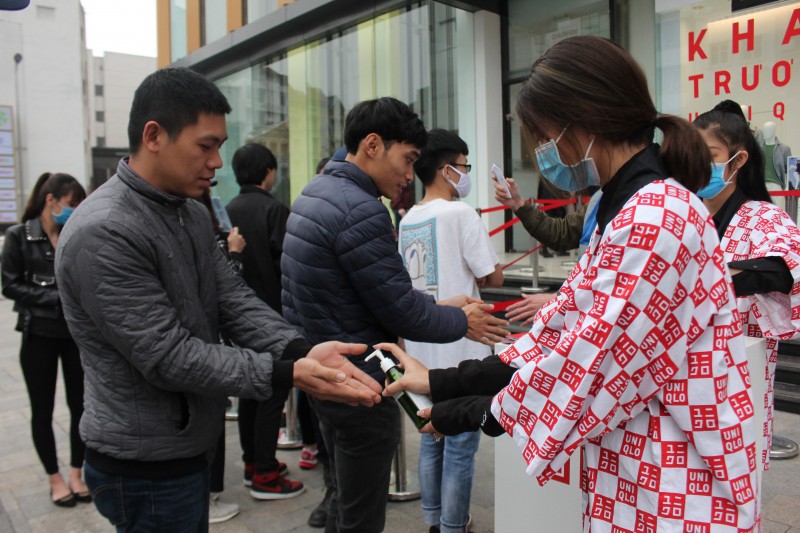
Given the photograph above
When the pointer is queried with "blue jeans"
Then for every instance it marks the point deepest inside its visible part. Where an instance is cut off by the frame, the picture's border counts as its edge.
(151, 505)
(446, 469)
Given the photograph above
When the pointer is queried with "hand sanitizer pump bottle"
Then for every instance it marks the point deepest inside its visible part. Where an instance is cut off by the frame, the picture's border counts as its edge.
(411, 402)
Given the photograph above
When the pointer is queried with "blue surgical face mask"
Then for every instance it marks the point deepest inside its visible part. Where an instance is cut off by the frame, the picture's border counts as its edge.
(570, 178)
(464, 184)
(61, 218)
(717, 181)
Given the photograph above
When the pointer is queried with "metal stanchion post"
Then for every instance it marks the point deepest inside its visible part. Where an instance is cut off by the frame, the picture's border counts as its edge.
(782, 448)
(534, 288)
(403, 485)
(290, 439)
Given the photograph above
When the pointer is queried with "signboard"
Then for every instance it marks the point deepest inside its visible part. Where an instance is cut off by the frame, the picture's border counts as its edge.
(8, 170)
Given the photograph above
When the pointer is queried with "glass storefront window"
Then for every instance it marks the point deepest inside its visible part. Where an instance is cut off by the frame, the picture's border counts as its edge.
(177, 29)
(260, 8)
(215, 20)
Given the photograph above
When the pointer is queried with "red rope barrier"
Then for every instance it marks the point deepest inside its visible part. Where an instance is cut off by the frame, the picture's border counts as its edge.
(784, 193)
(502, 306)
(502, 227)
(523, 256)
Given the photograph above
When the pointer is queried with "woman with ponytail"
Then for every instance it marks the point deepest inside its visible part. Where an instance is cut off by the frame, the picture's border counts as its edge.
(638, 364)
(760, 243)
(28, 278)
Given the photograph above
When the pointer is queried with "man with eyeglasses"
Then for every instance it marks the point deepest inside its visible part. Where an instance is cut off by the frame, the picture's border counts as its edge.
(447, 251)
(343, 278)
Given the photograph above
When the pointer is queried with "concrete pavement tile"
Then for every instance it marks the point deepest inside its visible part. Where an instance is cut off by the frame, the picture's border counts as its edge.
(784, 509)
(80, 519)
(15, 455)
(768, 526)
(19, 524)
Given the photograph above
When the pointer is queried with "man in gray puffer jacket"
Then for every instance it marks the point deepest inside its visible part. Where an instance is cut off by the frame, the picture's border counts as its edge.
(146, 291)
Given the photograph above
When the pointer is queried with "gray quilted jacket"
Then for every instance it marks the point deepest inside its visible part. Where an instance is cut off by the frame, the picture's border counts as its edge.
(145, 291)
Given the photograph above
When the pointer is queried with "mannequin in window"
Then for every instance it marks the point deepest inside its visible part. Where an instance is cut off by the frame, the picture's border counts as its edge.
(775, 155)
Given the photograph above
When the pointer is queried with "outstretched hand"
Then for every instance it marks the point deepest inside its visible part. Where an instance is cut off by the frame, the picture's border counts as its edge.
(483, 327)
(526, 309)
(326, 373)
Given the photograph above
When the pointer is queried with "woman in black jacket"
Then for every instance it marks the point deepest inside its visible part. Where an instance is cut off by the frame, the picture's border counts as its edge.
(28, 278)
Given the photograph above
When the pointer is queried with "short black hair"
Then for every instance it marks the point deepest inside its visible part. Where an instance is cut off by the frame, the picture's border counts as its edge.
(251, 163)
(443, 147)
(388, 117)
(175, 98)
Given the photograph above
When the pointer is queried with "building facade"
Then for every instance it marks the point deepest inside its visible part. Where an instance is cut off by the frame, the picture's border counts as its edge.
(292, 70)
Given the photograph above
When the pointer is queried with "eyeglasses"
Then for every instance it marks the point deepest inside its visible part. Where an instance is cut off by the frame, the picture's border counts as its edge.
(468, 167)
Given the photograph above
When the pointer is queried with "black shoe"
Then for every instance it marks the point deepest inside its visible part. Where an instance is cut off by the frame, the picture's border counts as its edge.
(319, 516)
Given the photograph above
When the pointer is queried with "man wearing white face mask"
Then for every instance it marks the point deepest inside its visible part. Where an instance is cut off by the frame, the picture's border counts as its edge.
(447, 252)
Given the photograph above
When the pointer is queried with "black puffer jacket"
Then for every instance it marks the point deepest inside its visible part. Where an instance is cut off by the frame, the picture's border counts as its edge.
(342, 275)
(146, 291)
(29, 279)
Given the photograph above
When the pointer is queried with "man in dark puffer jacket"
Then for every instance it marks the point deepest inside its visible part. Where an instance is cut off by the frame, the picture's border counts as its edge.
(146, 291)
(343, 278)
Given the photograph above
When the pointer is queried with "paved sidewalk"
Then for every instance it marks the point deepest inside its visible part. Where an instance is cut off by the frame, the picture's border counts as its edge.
(25, 504)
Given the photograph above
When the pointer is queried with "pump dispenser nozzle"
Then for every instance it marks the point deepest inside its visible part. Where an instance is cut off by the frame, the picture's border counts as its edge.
(411, 402)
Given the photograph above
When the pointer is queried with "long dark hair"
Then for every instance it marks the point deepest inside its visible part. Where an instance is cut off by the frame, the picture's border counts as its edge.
(59, 185)
(726, 122)
(595, 84)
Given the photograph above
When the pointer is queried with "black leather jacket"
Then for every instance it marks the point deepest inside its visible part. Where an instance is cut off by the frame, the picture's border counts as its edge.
(28, 277)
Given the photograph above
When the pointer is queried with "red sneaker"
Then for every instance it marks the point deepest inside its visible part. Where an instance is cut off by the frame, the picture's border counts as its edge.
(273, 486)
(250, 469)
(308, 459)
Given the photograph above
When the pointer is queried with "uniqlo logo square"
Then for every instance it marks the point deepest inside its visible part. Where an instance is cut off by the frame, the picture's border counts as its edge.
(717, 465)
(632, 445)
(508, 354)
(597, 333)
(526, 419)
(550, 448)
(588, 479)
(662, 369)
(649, 476)
(719, 293)
(573, 409)
(628, 315)
(721, 335)
(675, 392)
(639, 375)
(694, 219)
(541, 381)
(655, 269)
(723, 512)
(617, 529)
(671, 505)
(704, 417)
(645, 522)
(516, 388)
(694, 332)
(678, 192)
(572, 374)
(566, 343)
(603, 508)
(626, 492)
(531, 451)
(742, 489)
(674, 454)
(682, 258)
(750, 450)
(624, 350)
(616, 386)
(623, 286)
(744, 371)
(673, 223)
(624, 218)
(550, 414)
(650, 199)
(732, 440)
(699, 364)
(672, 331)
(549, 337)
(698, 482)
(696, 527)
(599, 307)
(742, 405)
(608, 462)
(679, 295)
(721, 388)
(643, 236)
(657, 307)
(611, 257)
(699, 294)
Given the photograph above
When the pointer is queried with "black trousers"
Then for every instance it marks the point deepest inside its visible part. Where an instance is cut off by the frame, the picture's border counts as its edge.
(361, 443)
(39, 358)
(259, 424)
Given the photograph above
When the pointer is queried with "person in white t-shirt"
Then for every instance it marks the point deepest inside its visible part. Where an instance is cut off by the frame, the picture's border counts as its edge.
(447, 252)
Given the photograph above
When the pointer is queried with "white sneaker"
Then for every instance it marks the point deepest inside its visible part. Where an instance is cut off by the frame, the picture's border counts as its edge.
(220, 511)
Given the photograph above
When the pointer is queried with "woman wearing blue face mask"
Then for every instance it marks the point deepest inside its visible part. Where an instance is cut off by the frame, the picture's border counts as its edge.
(759, 240)
(28, 278)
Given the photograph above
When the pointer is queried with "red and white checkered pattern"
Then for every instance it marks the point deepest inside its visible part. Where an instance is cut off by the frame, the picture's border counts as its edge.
(640, 362)
(760, 229)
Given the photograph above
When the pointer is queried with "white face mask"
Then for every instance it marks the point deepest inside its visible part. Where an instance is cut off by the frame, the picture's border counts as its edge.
(464, 184)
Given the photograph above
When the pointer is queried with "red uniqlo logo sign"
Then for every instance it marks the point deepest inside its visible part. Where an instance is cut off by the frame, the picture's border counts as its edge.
(600, 303)
(549, 337)
(589, 480)
(723, 512)
(721, 388)
(611, 257)
(644, 236)
(550, 414)
(699, 364)
(674, 454)
(732, 440)
(655, 269)
(696, 527)
(633, 445)
(683, 257)
(617, 385)
(699, 294)
(609, 462)
(623, 286)
(572, 374)
(626, 492)
(649, 476)
(526, 419)
(623, 218)
(698, 482)
(573, 409)
(662, 369)
(671, 505)
(742, 405)
(530, 452)
(675, 392)
(542, 382)
(603, 508)
(588, 423)
(645, 522)
(628, 315)
(597, 333)
(516, 388)
(717, 465)
(704, 417)
(657, 307)
(508, 354)
(674, 224)
(562, 474)
(742, 489)
(624, 350)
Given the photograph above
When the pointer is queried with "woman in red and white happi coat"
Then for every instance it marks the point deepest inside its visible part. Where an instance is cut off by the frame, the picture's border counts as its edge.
(761, 244)
(639, 362)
